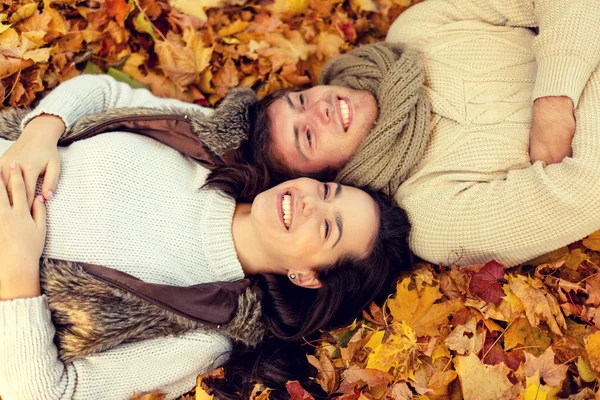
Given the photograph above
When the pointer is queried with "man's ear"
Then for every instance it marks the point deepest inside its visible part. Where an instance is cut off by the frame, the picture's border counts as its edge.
(306, 280)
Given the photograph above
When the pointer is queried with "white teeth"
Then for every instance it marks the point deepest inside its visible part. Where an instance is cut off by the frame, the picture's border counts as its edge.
(286, 207)
(345, 113)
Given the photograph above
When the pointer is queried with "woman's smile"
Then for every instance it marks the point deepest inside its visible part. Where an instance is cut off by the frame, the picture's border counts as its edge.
(285, 208)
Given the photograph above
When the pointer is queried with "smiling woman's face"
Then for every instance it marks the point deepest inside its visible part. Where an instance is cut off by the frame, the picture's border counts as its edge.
(304, 224)
(321, 127)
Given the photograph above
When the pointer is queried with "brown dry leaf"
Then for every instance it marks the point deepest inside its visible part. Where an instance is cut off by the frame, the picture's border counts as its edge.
(480, 381)
(399, 391)
(465, 339)
(376, 380)
(592, 287)
(226, 78)
(440, 380)
(592, 242)
(260, 392)
(539, 305)
(286, 50)
(418, 310)
(184, 64)
(550, 372)
(327, 375)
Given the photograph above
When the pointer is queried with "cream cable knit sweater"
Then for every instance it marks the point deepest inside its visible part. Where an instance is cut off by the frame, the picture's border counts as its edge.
(475, 195)
(132, 203)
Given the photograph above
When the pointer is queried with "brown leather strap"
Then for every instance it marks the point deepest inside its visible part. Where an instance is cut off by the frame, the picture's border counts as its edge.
(213, 303)
(173, 130)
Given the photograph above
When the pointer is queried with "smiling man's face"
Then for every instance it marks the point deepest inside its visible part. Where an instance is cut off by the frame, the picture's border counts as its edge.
(321, 127)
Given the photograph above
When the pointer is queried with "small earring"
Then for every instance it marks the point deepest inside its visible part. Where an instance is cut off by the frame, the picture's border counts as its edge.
(292, 276)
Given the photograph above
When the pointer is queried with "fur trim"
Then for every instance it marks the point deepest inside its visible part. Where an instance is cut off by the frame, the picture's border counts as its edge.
(91, 316)
(10, 122)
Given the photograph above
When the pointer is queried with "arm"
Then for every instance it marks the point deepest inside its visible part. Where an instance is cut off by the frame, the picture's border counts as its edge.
(94, 94)
(532, 211)
(567, 48)
(168, 364)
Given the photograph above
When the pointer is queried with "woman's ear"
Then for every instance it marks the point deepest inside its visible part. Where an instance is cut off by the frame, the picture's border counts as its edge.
(306, 280)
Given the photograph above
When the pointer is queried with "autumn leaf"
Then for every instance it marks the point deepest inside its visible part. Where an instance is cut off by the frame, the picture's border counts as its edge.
(480, 381)
(520, 332)
(539, 306)
(418, 310)
(184, 64)
(327, 375)
(465, 339)
(119, 9)
(393, 350)
(592, 347)
(544, 365)
(297, 392)
(592, 242)
(196, 8)
(487, 283)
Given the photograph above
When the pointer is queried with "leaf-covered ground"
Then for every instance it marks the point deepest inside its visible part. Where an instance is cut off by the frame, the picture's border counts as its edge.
(478, 332)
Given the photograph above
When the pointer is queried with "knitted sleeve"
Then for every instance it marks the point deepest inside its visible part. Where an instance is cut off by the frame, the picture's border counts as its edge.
(30, 369)
(528, 213)
(93, 94)
(567, 48)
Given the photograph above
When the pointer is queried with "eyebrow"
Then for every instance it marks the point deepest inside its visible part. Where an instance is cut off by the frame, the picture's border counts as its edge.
(338, 216)
(296, 133)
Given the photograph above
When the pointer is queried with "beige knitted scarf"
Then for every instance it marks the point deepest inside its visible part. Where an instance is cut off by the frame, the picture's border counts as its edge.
(398, 139)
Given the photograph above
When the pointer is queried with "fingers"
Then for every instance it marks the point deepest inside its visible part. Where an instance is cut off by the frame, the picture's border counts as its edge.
(50, 179)
(4, 201)
(17, 185)
(38, 212)
(30, 183)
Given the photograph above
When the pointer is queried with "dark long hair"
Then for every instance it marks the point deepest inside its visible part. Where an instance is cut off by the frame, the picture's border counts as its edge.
(294, 314)
(254, 167)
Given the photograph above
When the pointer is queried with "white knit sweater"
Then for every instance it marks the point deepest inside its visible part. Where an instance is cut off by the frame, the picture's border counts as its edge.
(128, 202)
(475, 195)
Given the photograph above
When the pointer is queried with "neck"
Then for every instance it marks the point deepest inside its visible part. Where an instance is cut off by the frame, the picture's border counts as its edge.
(248, 248)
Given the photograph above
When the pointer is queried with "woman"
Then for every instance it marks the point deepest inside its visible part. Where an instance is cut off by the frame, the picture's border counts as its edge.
(137, 206)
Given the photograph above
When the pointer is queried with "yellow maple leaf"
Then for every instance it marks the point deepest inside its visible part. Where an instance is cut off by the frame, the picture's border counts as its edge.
(592, 346)
(291, 6)
(418, 310)
(480, 381)
(395, 349)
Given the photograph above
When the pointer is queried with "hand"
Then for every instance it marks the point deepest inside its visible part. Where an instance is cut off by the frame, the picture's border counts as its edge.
(37, 153)
(552, 130)
(22, 237)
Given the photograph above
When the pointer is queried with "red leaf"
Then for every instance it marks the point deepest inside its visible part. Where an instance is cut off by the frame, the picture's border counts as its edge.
(487, 283)
(354, 395)
(297, 392)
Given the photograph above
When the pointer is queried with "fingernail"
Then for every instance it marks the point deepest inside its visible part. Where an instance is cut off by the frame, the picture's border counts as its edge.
(50, 194)
(13, 164)
(41, 198)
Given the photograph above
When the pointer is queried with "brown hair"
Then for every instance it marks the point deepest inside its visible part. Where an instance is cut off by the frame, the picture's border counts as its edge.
(254, 167)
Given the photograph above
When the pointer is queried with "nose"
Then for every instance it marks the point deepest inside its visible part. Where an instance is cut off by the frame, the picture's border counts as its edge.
(322, 111)
(310, 206)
